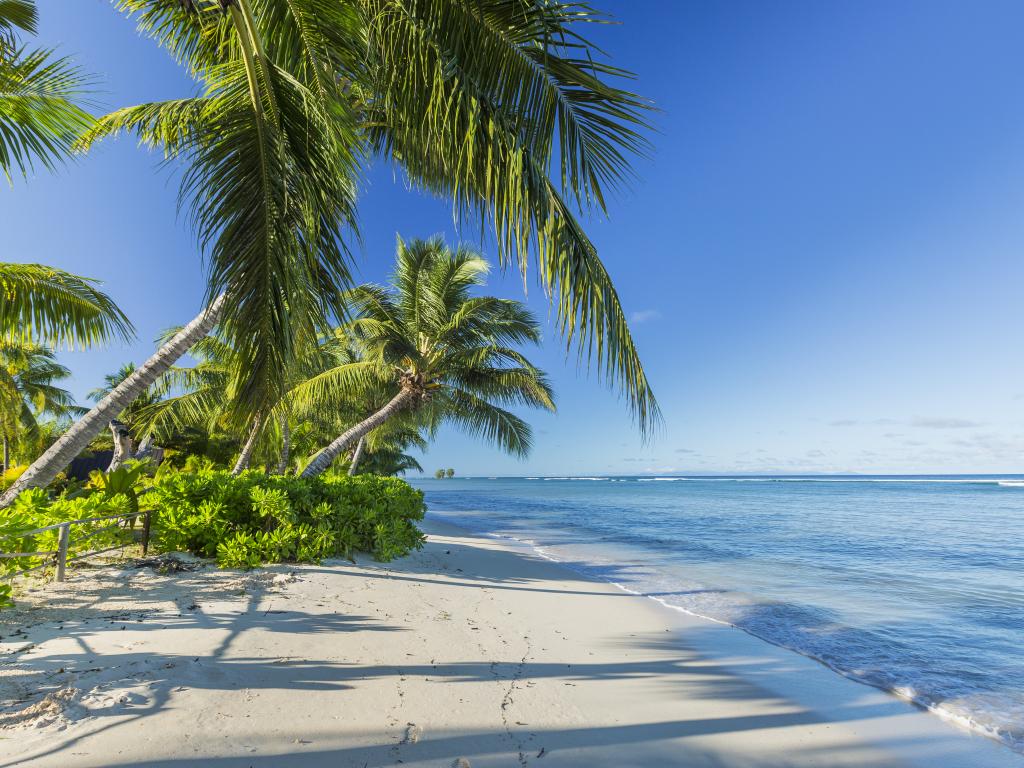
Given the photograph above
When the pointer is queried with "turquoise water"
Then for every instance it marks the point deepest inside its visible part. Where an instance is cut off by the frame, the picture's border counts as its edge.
(912, 584)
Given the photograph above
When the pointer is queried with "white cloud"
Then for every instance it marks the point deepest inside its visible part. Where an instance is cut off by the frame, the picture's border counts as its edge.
(643, 315)
(943, 423)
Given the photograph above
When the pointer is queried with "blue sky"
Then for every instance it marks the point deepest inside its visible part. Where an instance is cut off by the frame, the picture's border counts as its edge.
(822, 259)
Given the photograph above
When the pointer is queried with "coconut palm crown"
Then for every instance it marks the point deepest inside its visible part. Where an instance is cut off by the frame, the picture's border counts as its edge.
(447, 355)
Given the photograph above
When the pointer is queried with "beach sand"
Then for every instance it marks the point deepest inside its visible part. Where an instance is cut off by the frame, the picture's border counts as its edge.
(472, 650)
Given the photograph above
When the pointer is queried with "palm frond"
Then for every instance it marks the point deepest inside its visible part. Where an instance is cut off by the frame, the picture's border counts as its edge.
(268, 198)
(509, 386)
(40, 117)
(195, 40)
(477, 100)
(335, 387)
(493, 424)
(18, 14)
(57, 307)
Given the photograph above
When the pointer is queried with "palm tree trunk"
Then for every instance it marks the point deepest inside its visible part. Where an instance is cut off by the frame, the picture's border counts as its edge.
(82, 432)
(7, 453)
(250, 445)
(286, 445)
(323, 459)
(357, 455)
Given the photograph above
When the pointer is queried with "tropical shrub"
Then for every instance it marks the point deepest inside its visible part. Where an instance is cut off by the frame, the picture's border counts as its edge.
(243, 521)
(254, 518)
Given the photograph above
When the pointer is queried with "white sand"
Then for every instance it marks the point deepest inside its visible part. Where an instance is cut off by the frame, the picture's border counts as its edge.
(470, 650)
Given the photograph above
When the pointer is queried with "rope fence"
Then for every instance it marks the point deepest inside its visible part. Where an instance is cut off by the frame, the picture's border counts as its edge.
(59, 557)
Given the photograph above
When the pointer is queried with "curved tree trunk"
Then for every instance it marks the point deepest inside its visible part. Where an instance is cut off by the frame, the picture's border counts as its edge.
(122, 444)
(71, 443)
(323, 459)
(357, 455)
(250, 445)
(286, 446)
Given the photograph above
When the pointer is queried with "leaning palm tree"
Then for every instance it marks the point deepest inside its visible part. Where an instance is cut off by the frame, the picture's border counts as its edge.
(336, 351)
(500, 105)
(383, 450)
(447, 355)
(201, 397)
(28, 392)
(198, 396)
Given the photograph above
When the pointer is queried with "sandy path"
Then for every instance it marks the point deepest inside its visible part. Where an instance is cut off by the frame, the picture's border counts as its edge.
(470, 650)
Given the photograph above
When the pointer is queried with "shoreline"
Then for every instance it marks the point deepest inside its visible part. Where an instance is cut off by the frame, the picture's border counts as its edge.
(471, 649)
(966, 725)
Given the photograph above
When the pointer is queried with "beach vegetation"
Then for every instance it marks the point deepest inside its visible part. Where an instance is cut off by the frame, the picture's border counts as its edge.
(252, 518)
(242, 521)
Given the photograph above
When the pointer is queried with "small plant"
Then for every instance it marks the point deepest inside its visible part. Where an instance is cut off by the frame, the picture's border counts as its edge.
(126, 480)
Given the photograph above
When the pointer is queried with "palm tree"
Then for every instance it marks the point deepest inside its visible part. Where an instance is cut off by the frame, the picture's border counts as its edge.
(387, 455)
(388, 440)
(28, 392)
(446, 355)
(197, 397)
(500, 105)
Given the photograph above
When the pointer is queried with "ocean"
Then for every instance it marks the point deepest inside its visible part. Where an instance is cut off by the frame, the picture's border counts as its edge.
(911, 584)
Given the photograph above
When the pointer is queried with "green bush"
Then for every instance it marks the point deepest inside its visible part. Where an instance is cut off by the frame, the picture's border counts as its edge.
(242, 521)
(255, 518)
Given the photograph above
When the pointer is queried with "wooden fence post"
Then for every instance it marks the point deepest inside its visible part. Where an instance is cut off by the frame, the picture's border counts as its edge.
(146, 521)
(63, 534)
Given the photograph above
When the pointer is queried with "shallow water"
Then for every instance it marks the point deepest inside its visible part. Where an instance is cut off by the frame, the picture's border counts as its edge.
(915, 585)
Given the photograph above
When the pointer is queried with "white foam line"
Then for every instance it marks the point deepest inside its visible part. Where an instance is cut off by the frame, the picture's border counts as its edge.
(982, 481)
